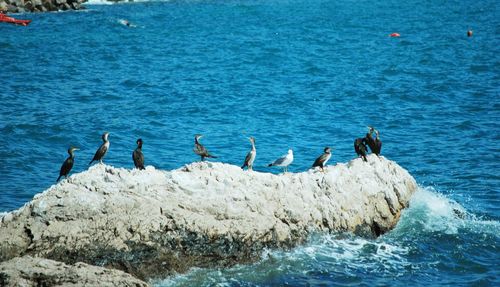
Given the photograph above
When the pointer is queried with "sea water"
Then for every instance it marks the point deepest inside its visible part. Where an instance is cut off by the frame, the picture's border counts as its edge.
(293, 74)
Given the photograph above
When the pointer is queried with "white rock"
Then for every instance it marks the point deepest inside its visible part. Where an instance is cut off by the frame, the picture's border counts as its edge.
(204, 214)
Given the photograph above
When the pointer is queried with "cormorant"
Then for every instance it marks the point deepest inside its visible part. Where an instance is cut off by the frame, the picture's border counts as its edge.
(249, 159)
(323, 159)
(101, 152)
(284, 161)
(360, 147)
(369, 139)
(137, 156)
(378, 144)
(200, 150)
(67, 164)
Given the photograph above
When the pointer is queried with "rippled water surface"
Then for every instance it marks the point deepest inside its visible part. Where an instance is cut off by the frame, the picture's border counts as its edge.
(299, 74)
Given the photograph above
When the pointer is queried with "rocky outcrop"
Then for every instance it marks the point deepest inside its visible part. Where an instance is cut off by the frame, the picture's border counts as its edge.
(152, 223)
(31, 271)
(19, 6)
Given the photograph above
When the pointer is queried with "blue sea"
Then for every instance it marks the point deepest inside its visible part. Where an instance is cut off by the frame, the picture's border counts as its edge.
(293, 74)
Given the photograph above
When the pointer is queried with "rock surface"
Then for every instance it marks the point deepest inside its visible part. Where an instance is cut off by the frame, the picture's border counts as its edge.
(152, 223)
(20, 6)
(31, 271)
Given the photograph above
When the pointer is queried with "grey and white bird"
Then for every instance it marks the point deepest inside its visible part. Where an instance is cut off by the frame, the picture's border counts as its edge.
(250, 158)
(138, 156)
(199, 149)
(103, 149)
(284, 161)
(67, 164)
(323, 159)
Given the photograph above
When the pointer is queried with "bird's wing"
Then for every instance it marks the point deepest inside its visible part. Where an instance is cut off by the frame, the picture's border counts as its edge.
(100, 152)
(280, 160)
(320, 160)
(138, 158)
(66, 166)
(200, 150)
(247, 158)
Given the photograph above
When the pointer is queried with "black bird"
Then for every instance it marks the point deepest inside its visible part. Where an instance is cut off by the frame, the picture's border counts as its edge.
(137, 156)
(250, 158)
(378, 144)
(360, 147)
(323, 159)
(101, 152)
(369, 139)
(67, 164)
(200, 150)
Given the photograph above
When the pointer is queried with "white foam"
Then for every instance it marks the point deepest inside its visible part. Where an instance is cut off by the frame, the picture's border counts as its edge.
(106, 2)
(325, 252)
(99, 2)
(435, 212)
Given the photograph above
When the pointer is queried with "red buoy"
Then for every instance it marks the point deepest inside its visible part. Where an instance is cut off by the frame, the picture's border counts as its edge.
(394, 35)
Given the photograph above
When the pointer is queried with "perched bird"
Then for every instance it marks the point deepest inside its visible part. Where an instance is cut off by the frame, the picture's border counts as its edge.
(369, 139)
(284, 161)
(101, 152)
(323, 159)
(137, 155)
(250, 158)
(360, 147)
(67, 164)
(378, 144)
(200, 150)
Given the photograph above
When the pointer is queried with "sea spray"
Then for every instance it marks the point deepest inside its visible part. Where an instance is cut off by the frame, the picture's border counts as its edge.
(344, 257)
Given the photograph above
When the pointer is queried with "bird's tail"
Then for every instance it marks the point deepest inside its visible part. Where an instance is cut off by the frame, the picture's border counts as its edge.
(270, 164)
(58, 178)
(91, 162)
(243, 166)
(212, 156)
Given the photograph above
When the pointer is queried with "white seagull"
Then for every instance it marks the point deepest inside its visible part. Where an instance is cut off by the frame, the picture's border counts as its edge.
(284, 161)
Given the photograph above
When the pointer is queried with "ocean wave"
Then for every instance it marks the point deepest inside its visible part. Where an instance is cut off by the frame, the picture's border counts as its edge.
(323, 253)
(432, 212)
(344, 255)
